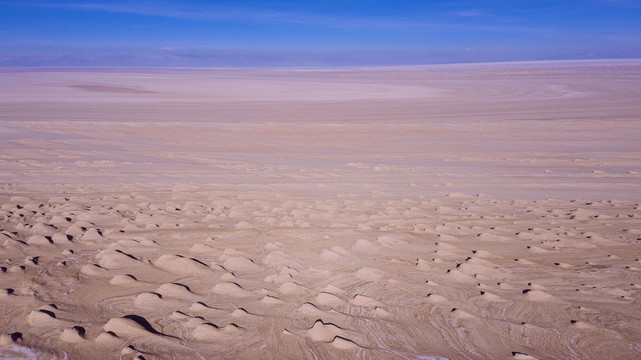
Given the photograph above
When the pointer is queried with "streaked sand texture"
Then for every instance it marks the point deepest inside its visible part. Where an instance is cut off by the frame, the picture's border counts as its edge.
(440, 212)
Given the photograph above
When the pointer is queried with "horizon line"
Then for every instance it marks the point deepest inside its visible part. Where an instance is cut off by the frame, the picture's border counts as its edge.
(567, 62)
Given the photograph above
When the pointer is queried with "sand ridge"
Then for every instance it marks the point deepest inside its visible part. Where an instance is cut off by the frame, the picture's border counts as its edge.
(168, 300)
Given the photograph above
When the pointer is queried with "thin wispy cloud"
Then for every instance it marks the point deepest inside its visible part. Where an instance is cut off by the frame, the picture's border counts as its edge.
(470, 13)
(242, 14)
(625, 3)
(166, 10)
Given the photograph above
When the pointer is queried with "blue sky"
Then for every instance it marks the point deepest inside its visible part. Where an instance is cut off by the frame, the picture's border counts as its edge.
(313, 33)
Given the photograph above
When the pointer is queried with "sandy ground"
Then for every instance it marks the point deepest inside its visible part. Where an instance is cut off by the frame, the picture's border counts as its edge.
(445, 212)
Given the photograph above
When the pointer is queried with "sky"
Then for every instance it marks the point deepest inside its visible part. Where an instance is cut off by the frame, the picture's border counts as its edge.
(310, 33)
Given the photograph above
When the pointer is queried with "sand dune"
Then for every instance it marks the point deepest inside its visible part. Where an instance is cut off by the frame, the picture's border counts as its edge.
(420, 213)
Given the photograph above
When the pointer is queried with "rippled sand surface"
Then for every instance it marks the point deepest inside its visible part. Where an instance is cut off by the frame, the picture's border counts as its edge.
(451, 212)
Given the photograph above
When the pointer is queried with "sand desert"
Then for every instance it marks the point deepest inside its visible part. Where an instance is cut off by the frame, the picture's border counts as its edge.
(487, 211)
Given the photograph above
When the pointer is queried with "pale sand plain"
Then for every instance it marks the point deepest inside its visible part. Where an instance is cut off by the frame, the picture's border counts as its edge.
(440, 212)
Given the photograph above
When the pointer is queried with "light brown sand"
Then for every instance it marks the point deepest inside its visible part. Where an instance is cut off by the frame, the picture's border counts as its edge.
(462, 212)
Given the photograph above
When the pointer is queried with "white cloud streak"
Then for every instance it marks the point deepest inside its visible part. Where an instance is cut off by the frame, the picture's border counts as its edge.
(268, 16)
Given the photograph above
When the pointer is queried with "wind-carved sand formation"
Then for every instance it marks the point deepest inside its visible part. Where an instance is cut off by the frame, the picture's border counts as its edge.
(465, 212)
